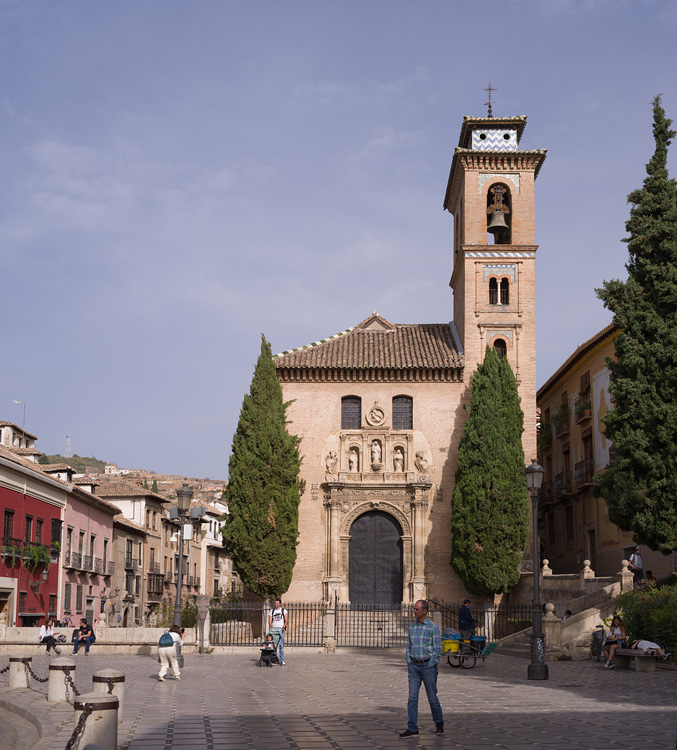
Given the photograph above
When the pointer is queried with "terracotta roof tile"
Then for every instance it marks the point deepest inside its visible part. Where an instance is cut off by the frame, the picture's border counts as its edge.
(127, 489)
(403, 346)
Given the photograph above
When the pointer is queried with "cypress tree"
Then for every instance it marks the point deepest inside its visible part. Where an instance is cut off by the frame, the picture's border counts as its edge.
(263, 491)
(640, 486)
(154, 488)
(490, 510)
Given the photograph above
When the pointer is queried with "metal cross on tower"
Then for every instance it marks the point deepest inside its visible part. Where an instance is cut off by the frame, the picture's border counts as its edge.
(489, 89)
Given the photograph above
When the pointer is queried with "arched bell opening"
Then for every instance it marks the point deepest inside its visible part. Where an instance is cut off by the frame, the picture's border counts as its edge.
(501, 348)
(499, 219)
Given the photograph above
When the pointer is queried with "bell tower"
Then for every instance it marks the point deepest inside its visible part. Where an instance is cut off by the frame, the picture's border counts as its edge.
(490, 194)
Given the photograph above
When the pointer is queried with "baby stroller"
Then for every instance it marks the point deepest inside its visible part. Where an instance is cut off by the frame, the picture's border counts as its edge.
(269, 649)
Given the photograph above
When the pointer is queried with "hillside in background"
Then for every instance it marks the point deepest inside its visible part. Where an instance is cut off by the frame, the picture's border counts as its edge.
(81, 464)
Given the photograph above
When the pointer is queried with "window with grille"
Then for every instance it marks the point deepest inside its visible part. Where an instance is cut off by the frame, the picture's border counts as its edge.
(56, 530)
(52, 605)
(8, 528)
(569, 517)
(493, 292)
(78, 598)
(38, 530)
(23, 601)
(505, 292)
(28, 529)
(67, 598)
(351, 413)
(403, 413)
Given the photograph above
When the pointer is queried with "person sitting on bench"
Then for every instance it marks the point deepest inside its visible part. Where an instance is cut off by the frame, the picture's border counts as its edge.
(85, 635)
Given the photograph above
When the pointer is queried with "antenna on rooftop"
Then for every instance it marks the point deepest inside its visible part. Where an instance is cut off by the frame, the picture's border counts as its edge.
(69, 450)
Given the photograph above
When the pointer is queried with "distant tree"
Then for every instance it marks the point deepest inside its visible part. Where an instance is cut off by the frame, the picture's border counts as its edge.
(490, 510)
(154, 487)
(640, 486)
(263, 493)
(145, 484)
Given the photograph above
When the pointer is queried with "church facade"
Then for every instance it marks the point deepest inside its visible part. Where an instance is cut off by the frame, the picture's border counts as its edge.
(380, 406)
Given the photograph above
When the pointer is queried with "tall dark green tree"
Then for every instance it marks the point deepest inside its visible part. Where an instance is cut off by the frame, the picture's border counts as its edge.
(490, 510)
(263, 491)
(154, 488)
(640, 487)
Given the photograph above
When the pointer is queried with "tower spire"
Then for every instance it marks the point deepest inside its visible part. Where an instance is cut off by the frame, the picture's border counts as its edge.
(489, 89)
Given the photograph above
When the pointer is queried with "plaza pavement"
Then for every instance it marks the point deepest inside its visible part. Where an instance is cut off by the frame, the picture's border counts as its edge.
(358, 701)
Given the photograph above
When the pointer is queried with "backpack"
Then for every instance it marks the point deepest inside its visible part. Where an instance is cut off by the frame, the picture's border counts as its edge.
(165, 640)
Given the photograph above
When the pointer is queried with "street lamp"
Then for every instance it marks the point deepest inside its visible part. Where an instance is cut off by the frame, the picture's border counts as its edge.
(184, 496)
(538, 669)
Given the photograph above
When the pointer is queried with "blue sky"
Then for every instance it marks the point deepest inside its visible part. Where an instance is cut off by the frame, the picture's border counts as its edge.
(178, 178)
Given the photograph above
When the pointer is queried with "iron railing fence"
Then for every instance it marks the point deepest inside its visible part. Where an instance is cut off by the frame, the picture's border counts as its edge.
(493, 622)
(245, 623)
(373, 626)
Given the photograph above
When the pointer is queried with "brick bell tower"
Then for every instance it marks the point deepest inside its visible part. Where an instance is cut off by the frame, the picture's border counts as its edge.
(490, 194)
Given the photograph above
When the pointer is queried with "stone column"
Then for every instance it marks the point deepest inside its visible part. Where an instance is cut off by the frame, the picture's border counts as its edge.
(552, 630)
(626, 577)
(332, 503)
(101, 726)
(419, 505)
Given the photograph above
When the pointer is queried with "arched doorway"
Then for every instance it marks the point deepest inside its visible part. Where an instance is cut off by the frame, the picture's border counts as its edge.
(375, 560)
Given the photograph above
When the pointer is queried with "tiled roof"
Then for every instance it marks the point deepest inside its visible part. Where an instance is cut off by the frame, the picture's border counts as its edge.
(49, 468)
(580, 351)
(87, 479)
(469, 123)
(127, 489)
(122, 521)
(387, 347)
(19, 429)
(26, 451)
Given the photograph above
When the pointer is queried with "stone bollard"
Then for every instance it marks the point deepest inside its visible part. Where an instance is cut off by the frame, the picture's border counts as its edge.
(101, 726)
(552, 629)
(56, 689)
(100, 682)
(18, 674)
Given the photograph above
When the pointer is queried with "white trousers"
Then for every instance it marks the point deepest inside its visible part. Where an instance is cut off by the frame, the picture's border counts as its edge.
(167, 656)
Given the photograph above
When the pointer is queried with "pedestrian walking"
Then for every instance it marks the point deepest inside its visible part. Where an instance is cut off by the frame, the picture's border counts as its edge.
(277, 621)
(166, 652)
(424, 646)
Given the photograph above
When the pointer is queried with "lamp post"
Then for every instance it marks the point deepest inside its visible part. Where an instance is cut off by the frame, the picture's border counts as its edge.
(184, 496)
(538, 669)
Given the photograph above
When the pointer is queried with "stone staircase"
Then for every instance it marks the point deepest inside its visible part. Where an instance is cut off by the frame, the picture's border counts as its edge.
(518, 645)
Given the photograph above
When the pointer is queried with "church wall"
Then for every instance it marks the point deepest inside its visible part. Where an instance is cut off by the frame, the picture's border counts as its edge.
(315, 414)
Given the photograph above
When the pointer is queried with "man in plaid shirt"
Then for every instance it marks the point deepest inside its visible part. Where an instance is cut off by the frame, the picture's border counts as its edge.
(424, 647)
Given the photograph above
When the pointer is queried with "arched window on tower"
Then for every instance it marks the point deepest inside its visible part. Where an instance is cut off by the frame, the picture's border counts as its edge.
(403, 413)
(505, 291)
(499, 218)
(493, 292)
(351, 413)
(501, 348)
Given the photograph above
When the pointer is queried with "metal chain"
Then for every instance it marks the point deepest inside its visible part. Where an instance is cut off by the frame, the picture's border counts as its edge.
(80, 725)
(109, 682)
(68, 680)
(2, 671)
(30, 671)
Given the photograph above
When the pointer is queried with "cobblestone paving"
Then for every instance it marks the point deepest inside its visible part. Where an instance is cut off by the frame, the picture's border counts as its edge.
(357, 701)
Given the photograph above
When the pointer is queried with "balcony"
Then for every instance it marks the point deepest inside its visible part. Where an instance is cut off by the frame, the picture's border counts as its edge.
(108, 567)
(99, 565)
(547, 495)
(154, 567)
(131, 563)
(155, 587)
(562, 485)
(544, 439)
(583, 473)
(170, 578)
(72, 560)
(583, 408)
(561, 421)
(12, 550)
(87, 562)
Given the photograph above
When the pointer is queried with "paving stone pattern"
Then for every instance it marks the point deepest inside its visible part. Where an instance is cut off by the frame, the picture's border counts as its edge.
(352, 700)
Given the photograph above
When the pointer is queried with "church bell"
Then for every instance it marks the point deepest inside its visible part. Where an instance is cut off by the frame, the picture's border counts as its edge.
(497, 223)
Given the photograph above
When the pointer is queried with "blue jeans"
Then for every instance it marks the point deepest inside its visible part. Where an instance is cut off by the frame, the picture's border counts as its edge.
(280, 647)
(422, 673)
(77, 643)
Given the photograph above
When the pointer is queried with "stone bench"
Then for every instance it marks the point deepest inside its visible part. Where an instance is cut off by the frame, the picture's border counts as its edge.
(624, 658)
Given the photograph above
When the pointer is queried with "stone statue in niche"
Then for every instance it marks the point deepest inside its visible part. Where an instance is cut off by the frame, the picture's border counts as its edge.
(375, 454)
(421, 463)
(331, 464)
(398, 459)
(353, 460)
